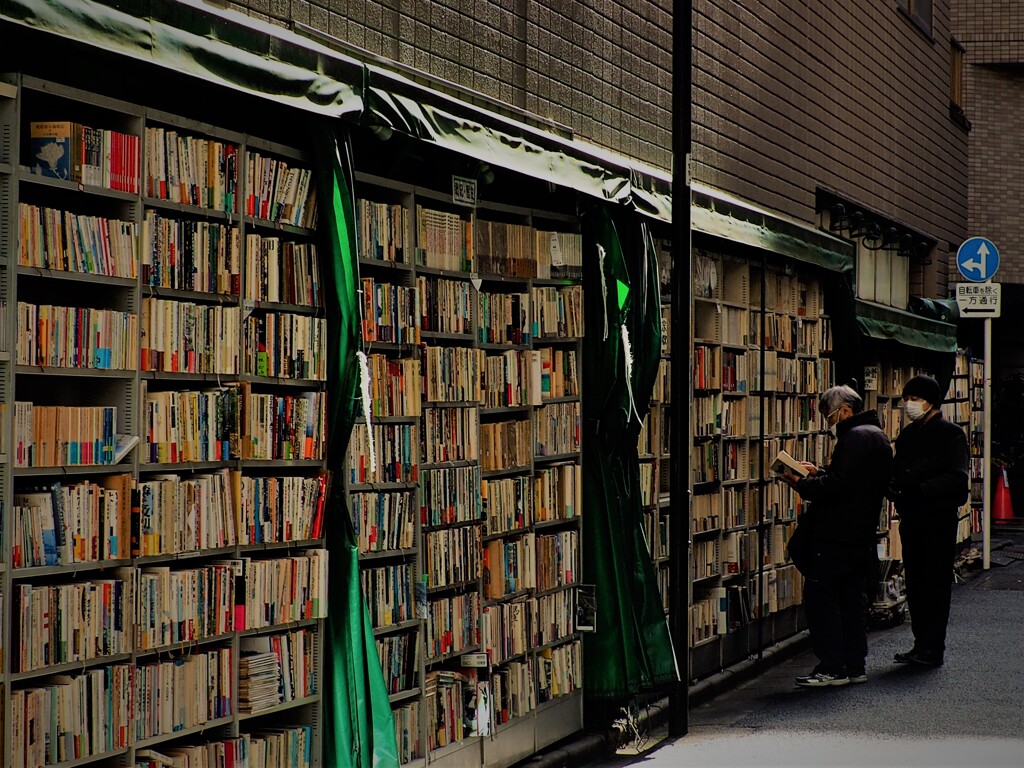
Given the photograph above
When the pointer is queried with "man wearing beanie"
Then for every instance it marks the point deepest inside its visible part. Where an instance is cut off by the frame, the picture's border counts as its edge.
(930, 483)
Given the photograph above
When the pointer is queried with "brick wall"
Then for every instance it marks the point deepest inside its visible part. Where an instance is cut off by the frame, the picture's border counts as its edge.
(788, 95)
(992, 31)
(856, 101)
(602, 68)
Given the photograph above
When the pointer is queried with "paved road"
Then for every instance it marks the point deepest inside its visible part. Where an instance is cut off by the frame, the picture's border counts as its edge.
(969, 713)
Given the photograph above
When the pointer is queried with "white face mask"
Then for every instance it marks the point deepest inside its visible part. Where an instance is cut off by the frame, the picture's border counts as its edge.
(915, 409)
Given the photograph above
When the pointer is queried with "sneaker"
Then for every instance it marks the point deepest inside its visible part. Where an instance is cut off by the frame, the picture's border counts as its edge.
(822, 680)
(858, 676)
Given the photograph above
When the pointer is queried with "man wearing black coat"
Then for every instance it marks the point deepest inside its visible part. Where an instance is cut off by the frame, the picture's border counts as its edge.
(930, 483)
(846, 501)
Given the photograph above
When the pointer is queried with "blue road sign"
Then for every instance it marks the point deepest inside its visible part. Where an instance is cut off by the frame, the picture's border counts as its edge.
(977, 259)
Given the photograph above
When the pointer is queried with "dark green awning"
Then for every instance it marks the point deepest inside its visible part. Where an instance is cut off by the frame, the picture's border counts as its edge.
(239, 52)
(888, 324)
(715, 213)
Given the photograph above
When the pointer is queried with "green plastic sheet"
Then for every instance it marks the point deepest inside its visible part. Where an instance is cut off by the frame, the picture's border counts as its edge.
(631, 650)
(358, 724)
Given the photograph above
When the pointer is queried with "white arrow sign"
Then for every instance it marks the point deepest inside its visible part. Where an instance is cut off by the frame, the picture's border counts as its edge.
(979, 265)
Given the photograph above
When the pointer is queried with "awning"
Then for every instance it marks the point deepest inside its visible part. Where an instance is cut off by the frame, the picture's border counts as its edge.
(888, 324)
(718, 214)
(230, 49)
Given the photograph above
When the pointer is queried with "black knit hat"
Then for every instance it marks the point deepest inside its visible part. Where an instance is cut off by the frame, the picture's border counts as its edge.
(924, 387)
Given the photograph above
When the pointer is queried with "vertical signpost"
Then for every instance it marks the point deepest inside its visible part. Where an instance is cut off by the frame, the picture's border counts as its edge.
(978, 259)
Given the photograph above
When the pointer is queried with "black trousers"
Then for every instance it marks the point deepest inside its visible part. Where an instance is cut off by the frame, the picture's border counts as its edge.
(929, 550)
(834, 604)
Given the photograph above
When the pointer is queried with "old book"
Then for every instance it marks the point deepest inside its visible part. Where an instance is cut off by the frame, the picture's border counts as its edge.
(784, 463)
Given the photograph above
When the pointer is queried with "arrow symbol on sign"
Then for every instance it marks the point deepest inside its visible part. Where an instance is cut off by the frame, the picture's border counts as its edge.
(978, 265)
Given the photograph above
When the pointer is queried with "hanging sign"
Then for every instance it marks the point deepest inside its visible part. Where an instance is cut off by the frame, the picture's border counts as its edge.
(464, 191)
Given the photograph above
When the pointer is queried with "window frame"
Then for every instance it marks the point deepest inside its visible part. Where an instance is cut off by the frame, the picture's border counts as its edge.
(921, 13)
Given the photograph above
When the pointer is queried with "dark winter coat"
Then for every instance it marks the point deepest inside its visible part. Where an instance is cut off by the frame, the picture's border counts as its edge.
(846, 496)
(930, 471)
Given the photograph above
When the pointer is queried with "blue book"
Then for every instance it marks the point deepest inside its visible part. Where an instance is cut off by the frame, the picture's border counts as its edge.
(53, 150)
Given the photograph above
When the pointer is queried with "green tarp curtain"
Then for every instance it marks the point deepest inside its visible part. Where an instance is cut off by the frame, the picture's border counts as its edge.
(538, 157)
(631, 650)
(888, 324)
(246, 54)
(193, 38)
(714, 213)
(359, 729)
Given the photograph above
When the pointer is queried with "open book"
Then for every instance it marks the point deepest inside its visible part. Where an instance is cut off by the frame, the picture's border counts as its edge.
(785, 463)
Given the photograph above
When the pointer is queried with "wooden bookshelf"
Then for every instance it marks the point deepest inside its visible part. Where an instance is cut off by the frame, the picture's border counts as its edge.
(482, 340)
(761, 358)
(163, 460)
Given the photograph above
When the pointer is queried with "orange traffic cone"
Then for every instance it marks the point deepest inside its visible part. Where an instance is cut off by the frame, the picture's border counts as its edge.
(1002, 508)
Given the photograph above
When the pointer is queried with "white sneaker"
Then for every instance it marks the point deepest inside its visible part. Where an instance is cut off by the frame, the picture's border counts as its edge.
(822, 680)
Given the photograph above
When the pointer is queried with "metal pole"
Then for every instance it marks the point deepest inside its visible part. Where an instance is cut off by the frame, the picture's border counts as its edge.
(987, 461)
(682, 375)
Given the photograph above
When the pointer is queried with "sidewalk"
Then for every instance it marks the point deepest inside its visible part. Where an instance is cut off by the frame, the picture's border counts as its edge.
(970, 712)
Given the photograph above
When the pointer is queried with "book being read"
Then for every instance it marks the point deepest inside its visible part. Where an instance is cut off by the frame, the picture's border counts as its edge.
(785, 463)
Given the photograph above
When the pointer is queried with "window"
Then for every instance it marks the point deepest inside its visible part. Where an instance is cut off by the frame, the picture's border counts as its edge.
(956, 73)
(920, 11)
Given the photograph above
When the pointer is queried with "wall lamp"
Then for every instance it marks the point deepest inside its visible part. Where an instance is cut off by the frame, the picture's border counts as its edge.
(873, 238)
(837, 218)
(858, 224)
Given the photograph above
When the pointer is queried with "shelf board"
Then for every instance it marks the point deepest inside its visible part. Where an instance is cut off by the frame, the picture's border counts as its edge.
(186, 377)
(278, 226)
(557, 523)
(153, 740)
(26, 176)
(277, 546)
(277, 381)
(89, 759)
(283, 707)
(184, 646)
(385, 265)
(76, 277)
(394, 629)
(165, 557)
(573, 456)
(507, 471)
(206, 297)
(70, 667)
(185, 467)
(230, 217)
(387, 554)
(397, 698)
(75, 470)
(279, 627)
(92, 373)
(67, 568)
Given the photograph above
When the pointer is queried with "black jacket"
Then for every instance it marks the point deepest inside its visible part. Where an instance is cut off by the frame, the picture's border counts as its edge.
(847, 495)
(930, 471)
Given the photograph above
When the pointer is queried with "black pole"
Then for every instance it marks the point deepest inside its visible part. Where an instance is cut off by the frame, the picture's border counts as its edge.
(682, 375)
(762, 525)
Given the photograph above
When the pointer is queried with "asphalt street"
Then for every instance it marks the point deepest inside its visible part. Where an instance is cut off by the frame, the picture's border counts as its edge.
(968, 713)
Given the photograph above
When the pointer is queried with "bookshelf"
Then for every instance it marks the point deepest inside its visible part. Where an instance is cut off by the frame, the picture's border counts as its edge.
(163, 391)
(483, 343)
(965, 406)
(761, 358)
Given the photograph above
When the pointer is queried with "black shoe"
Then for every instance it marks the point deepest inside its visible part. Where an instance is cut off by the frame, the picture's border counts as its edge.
(926, 659)
(919, 657)
(904, 657)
